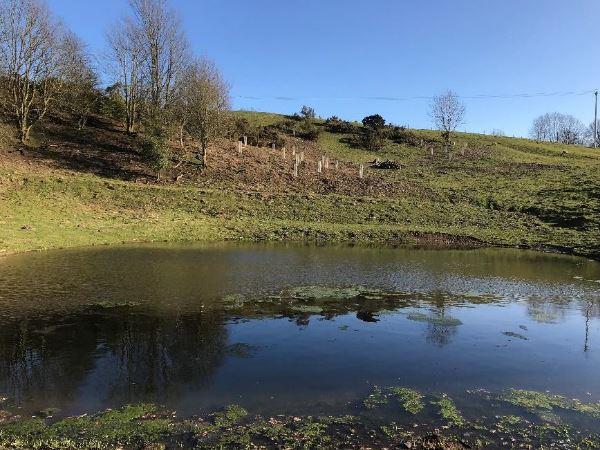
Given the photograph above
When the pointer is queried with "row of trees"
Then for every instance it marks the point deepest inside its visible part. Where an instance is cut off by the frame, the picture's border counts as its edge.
(561, 128)
(159, 87)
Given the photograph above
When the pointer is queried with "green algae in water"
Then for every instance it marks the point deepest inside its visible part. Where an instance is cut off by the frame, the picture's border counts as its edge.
(591, 409)
(532, 400)
(147, 427)
(447, 321)
(377, 398)
(333, 293)
(229, 416)
(312, 309)
(235, 300)
(509, 422)
(515, 335)
(535, 401)
(410, 399)
(130, 426)
(449, 411)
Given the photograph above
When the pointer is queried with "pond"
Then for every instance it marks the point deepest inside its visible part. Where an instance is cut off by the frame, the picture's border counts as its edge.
(303, 331)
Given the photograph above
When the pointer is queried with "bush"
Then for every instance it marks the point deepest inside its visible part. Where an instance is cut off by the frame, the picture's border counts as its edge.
(112, 103)
(241, 127)
(372, 140)
(335, 125)
(400, 135)
(309, 131)
(374, 122)
(156, 153)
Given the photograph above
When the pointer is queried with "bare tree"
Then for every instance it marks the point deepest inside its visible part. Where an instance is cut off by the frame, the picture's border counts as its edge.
(539, 130)
(203, 104)
(126, 57)
(30, 60)
(79, 94)
(557, 127)
(164, 50)
(447, 113)
(589, 134)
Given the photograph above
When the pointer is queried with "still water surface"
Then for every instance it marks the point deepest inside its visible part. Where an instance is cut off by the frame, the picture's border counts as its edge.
(291, 329)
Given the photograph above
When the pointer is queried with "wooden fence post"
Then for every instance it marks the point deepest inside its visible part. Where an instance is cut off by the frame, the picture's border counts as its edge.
(245, 141)
(301, 156)
(283, 152)
(295, 169)
(319, 167)
(361, 170)
(239, 147)
(293, 150)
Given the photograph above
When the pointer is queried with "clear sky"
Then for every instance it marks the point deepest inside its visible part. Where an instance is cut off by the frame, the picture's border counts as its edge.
(352, 58)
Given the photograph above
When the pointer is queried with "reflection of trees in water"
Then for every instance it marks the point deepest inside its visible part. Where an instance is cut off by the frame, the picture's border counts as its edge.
(33, 364)
(439, 330)
(134, 356)
(158, 358)
(555, 310)
(543, 310)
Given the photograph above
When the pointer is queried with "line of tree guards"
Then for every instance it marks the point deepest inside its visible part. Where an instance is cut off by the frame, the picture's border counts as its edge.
(159, 89)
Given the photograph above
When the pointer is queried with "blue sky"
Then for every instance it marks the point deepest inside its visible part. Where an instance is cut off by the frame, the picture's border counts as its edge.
(340, 55)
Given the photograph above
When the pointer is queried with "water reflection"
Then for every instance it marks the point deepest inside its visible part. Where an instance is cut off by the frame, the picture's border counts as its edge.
(86, 330)
(109, 358)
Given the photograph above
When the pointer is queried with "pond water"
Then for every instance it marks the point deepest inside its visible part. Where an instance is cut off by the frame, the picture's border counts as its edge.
(291, 329)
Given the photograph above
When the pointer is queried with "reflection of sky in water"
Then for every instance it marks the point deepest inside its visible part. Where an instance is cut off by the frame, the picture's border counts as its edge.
(173, 343)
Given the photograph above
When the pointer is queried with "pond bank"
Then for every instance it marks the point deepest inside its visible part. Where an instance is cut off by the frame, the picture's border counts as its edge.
(148, 426)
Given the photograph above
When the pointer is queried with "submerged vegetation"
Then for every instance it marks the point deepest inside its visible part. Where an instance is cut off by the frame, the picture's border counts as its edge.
(147, 427)
(449, 411)
(537, 401)
(410, 399)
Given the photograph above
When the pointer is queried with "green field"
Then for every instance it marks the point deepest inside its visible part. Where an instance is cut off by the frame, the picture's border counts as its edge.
(502, 191)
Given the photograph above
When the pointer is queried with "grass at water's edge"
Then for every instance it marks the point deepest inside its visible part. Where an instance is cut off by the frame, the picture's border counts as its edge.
(410, 422)
(69, 210)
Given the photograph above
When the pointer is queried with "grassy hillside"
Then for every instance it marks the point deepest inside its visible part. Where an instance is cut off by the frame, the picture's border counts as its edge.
(91, 187)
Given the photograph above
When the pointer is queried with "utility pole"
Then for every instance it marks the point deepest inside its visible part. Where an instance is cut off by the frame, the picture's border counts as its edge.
(596, 121)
